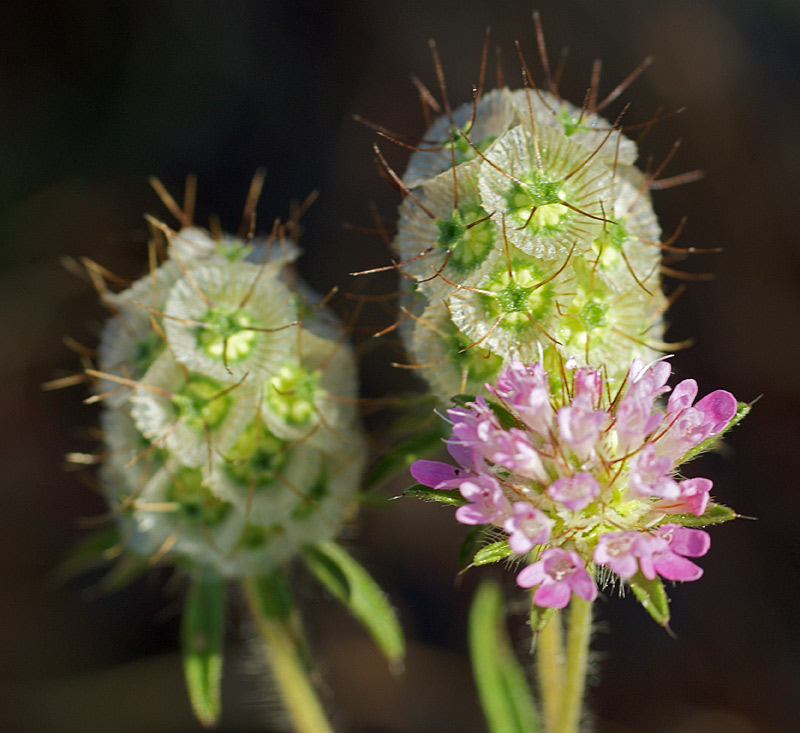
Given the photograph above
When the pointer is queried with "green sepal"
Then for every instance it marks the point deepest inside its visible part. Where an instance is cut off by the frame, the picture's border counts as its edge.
(91, 552)
(462, 400)
(273, 595)
(714, 514)
(356, 589)
(502, 686)
(539, 617)
(420, 444)
(443, 496)
(127, 569)
(651, 594)
(492, 553)
(742, 408)
(202, 626)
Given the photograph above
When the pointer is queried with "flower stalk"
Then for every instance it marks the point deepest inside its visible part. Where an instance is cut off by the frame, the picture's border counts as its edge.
(288, 665)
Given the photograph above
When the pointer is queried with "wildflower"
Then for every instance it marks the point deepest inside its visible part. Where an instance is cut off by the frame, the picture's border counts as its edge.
(581, 473)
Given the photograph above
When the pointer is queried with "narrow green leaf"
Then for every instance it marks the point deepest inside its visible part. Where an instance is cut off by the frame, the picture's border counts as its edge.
(202, 627)
(356, 589)
(502, 686)
(418, 445)
(91, 552)
(462, 400)
(273, 595)
(492, 553)
(443, 496)
(742, 409)
(651, 594)
(127, 569)
(714, 514)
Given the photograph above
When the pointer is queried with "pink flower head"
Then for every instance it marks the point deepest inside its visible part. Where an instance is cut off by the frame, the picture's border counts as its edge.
(527, 527)
(681, 542)
(513, 450)
(588, 382)
(574, 492)
(623, 551)
(689, 426)
(488, 503)
(525, 388)
(650, 475)
(579, 425)
(693, 498)
(558, 575)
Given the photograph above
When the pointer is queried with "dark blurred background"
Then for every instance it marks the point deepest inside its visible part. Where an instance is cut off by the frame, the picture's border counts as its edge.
(94, 97)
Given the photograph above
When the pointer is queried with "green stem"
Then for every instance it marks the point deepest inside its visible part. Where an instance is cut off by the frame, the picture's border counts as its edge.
(550, 669)
(578, 637)
(288, 668)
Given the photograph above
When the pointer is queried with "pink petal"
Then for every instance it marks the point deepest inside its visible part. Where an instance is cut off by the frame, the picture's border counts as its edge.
(552, 595)
(433, 473)
(719, 407)
(690, 542)
(531, 575)
(673, 567)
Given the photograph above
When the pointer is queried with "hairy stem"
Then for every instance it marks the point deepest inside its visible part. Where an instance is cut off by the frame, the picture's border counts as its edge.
(550, 669)
(288, 669)
(577, 654)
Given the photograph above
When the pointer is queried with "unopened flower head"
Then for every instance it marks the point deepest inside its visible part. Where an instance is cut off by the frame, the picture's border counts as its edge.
(582, 474)
(527, 224)
(230, 430)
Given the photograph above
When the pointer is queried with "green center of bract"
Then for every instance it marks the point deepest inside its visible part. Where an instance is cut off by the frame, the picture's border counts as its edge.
(225, 335)
(520, 295)
(537, 202)
(292, 394)
(196, 502)
(463, 151)
(257, 457)
(469, 243)
(200, 404)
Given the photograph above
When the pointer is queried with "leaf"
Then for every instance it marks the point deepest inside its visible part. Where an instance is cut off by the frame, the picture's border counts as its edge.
(91, 552)
(356, 589)
(742, 408)
(273, 595)
(418, 445)
(651, 594)
(502, 686)
(201, 644)
(714, 514)
(492, 553)
(443, 496)
(127, 569)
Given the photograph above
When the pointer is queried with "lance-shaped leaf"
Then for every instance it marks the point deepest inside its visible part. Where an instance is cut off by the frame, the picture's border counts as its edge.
(356, 589)
(714, 514)
(202, 627)
(502, 686)
(651, 594)
(492, 553)
(443, 496)
(95, 550)
(422, 443)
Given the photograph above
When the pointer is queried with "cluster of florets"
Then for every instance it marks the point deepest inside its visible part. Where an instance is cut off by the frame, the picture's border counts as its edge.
(583, 475)
(526, 231)
(230, 428)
